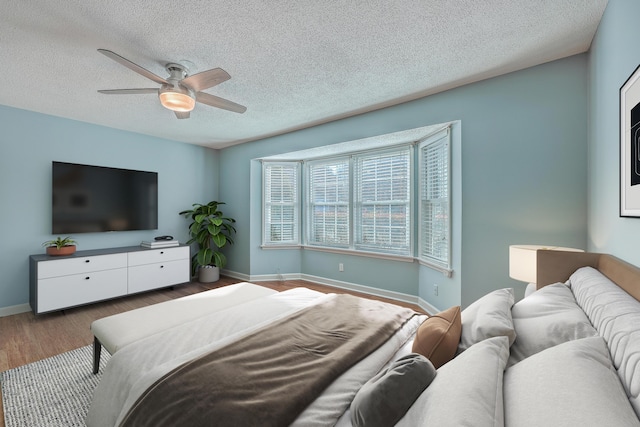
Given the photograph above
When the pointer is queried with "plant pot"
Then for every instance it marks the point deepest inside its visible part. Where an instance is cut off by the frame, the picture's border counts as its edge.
(208, 274)
(65, 250)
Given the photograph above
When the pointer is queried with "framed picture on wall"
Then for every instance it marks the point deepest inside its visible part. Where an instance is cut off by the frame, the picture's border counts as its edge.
(630, 146)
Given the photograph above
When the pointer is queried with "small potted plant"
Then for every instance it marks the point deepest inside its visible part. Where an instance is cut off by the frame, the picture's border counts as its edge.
(60, 246)
(211, 230)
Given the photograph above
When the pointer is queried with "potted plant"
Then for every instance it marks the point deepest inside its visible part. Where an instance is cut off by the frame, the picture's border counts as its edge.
(60, 246)
(211, 230)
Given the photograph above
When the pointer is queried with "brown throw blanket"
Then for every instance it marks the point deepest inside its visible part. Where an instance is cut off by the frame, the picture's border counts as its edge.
(269, 377)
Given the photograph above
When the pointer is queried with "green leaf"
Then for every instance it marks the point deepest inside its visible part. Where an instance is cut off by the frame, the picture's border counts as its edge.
(219, 260)
(204, 256)
(219, 239)
(213, 229)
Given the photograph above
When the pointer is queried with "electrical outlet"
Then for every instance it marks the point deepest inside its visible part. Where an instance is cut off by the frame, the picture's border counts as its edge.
(435, 290)
(341, 267)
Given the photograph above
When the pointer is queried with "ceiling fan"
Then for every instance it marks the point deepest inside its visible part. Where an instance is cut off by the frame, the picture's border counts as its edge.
(180, 91)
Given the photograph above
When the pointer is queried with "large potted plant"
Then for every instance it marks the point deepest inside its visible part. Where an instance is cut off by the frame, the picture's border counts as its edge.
(60, 246)
(211, 230)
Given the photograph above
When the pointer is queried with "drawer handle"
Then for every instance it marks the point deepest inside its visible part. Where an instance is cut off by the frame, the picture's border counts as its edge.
(162, 266)
(87, 278)
(87, 260)
(161, 252)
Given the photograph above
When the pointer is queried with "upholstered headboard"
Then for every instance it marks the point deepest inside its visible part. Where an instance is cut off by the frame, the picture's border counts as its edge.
(557, 266)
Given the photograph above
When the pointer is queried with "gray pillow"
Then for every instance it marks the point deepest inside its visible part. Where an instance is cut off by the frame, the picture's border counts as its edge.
(385, 398)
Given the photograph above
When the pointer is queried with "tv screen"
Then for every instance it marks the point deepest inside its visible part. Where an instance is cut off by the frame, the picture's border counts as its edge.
(89, 199)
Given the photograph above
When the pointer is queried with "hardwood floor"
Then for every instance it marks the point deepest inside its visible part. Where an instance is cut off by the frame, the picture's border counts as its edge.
(26, 338)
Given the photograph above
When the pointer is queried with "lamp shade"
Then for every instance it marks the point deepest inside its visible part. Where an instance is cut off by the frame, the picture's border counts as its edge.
(177, 98)
(523, 260)
(177, 101)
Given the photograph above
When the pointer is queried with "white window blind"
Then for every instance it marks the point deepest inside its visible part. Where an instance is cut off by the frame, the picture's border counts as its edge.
(383, 202)
(328, 203)
(435, 235)
(281, 206)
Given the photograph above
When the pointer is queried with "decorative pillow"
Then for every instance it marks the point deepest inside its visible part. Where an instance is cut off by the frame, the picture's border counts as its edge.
(571, 384)
(546, 318)
(487, 317)
(438, 336)
(616, 316)
(466, 392)
(385, 398)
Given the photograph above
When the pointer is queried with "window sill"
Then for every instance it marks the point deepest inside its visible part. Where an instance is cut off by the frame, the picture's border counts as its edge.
(444, 270)
(283, 246)
(359, 253)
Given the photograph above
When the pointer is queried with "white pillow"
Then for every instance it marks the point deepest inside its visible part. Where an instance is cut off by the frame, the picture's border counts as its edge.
(547, 318)
(487, 317)
(467, 391)
(571, 384)
(616, 316)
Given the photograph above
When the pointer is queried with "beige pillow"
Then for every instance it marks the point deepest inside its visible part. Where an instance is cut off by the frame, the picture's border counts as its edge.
(438, 337)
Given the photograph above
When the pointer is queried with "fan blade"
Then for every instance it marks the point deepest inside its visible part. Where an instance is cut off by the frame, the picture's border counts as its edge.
(206, 79)
(128, 91)
(135, 67)
(182, 115)
(216, 101)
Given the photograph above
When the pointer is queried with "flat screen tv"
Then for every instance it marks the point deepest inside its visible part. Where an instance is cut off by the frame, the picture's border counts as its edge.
(88, 199)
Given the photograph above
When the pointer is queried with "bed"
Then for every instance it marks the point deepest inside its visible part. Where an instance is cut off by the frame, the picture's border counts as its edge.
(568, 354)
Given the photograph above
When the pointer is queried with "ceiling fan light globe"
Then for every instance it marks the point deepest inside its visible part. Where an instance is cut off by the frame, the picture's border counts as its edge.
(176, 101)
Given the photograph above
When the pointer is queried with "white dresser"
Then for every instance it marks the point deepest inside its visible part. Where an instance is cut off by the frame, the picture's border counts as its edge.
(56, 283)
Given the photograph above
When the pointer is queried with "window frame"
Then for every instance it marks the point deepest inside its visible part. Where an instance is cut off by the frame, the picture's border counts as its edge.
(416, 208)
(357, 203)
(309, 204)
(268, 242)
(443, 265)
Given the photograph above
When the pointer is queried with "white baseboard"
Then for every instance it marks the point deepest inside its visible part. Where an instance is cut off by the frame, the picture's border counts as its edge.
(431, 309)
(262, 277)
(14, 309)
(398, 296)
(236, 275)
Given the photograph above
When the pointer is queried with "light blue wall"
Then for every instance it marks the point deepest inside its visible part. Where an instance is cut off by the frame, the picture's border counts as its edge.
(524, 157)
(523, 154)
(31, 141)
(523, 177)
(614, 56)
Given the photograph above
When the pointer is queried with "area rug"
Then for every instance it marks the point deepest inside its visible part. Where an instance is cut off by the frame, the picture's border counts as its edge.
(52, 392)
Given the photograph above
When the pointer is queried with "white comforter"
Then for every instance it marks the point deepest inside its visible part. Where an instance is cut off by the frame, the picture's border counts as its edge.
(135, 367)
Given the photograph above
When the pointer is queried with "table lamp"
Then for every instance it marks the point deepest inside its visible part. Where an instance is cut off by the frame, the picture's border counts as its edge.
(523, 262)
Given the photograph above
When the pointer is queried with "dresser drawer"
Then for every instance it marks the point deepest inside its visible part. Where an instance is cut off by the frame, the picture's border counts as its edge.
(67, 291)
(76, 265)
(158, 255)
(158, 275)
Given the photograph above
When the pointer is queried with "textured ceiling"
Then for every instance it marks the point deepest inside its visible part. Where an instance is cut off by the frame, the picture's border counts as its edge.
(293, 63)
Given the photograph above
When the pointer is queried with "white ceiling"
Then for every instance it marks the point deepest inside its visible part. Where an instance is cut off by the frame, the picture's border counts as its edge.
(293, 63)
